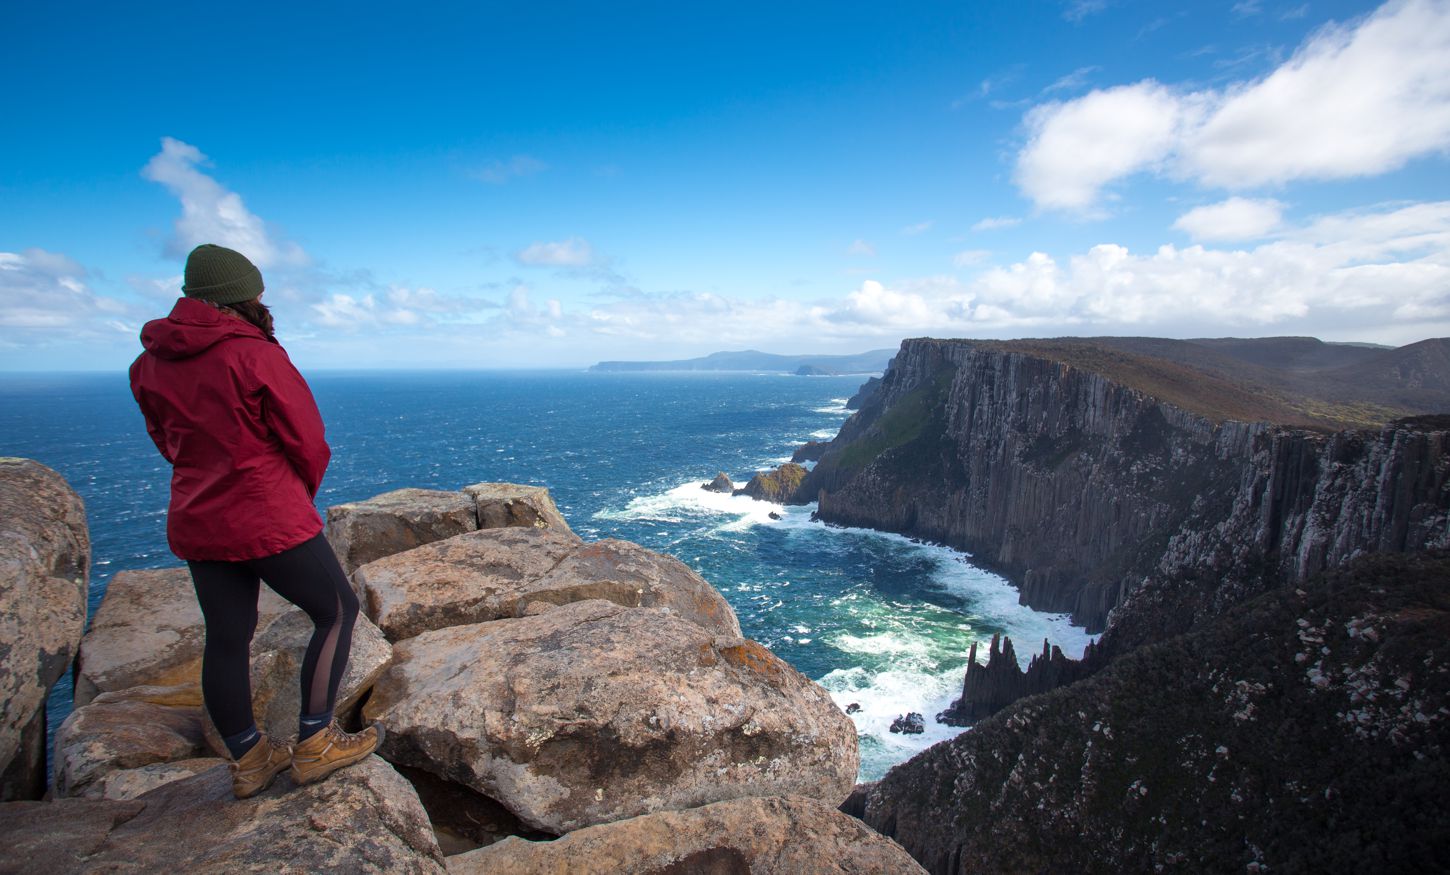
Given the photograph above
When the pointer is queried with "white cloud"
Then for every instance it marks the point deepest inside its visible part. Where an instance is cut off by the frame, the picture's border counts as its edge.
(45, 294)
(1382, 275)
(1352, 101)
(860, 247)
(1377, 275)
(212, 214)
(969, 257)
(879, 307)
(1076, 148)
(1234, 219)
(918, 228)
(500, 172)
(574, 252)
(992, 223)
(1357, 271)
(398, 306)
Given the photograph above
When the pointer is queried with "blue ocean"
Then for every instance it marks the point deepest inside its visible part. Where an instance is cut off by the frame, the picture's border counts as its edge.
(878, 619)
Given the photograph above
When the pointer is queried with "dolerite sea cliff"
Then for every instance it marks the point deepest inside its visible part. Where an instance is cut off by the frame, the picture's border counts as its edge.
(1051, 464)
(1264, 550)
(532, 685)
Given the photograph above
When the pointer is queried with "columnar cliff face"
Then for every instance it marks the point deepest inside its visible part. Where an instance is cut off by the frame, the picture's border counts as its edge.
(1091, 495)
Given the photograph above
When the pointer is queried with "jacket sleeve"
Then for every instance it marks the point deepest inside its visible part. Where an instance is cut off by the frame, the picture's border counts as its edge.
(153, 428)
(291, 413)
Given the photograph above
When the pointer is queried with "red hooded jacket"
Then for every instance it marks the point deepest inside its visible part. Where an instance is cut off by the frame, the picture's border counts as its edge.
(241, 430)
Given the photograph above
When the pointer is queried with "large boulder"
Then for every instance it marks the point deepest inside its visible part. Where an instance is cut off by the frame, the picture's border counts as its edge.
(363, 819)
(776, 834)
(501, 573)
(120, 731)
(592, 712)
(361, 531)
(149, 631)
(500, 505)
(45, 558)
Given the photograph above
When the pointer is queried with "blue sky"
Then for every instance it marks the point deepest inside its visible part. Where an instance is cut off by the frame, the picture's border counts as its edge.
(474, 185)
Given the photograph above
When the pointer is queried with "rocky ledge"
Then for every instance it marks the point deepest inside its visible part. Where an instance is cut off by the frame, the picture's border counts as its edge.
(530, 683)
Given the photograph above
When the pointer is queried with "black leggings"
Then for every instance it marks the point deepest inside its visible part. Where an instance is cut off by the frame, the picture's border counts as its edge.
(308, 576)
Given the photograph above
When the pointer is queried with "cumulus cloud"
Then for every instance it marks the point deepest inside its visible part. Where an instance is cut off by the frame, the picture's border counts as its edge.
(46, 294)
(210, 213)
(1077, 147)
(1379, 275)
(500, 171)
(397, 306)
(1355, 270)
(860, 247)
(969, 257)
(1354, 100)
(880, 308)
(1234, 219)
(574, 252)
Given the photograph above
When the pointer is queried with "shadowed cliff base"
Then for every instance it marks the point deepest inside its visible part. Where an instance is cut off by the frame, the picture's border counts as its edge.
(1302, 731)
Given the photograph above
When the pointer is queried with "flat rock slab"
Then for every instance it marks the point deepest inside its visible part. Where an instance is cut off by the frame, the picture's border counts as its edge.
(753, 835)
(466, 579)
(45, 557)
(148, 631)
(501, 505)
(363, 531)
(117, 731)
(503, 573)
(630, 575)
(363, 819)
(592, 712)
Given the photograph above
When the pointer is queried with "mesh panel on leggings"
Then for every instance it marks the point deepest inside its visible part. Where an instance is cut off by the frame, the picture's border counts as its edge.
(318, 689)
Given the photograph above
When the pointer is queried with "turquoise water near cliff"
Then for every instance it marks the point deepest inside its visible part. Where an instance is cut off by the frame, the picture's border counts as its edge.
(880, 620)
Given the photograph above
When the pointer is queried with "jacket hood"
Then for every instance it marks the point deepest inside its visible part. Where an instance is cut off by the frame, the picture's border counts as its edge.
(192, 328)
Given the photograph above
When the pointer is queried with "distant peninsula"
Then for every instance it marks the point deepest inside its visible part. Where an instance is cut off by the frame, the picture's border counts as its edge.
(872, 362)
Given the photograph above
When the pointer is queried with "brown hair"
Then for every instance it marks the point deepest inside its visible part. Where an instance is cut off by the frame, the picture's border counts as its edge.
(255, 312)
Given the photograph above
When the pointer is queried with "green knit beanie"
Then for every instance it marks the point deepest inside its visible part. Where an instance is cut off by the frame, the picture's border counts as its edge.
(221, 276)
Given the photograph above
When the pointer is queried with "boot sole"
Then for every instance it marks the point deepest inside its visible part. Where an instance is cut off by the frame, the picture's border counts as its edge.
(300, 779)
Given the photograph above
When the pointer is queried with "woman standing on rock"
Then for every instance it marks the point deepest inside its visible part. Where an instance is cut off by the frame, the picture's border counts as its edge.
(239, 426)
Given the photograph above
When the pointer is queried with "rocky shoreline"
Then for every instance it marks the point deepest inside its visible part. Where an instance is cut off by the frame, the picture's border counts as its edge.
(531, 684)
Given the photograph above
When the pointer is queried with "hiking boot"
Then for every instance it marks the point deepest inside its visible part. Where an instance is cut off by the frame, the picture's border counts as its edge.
(254, 772)
(330, 749)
